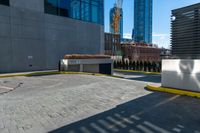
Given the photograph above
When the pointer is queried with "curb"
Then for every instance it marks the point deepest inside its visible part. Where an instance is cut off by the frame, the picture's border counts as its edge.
(133, 71)
(15, 75)
(174, 91)
(54, 73)
(42, 74)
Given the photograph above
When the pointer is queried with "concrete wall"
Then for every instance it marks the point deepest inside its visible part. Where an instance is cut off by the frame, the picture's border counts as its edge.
(181, 74)
(86, 65)
(32, 40)
(91, 68)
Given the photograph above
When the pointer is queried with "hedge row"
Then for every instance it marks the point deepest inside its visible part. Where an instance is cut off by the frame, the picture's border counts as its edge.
(86, 56)
(138, 65)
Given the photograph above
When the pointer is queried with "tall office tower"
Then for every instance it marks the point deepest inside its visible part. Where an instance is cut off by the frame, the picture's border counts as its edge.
(112, 19)
(143, 21)
(185, 36)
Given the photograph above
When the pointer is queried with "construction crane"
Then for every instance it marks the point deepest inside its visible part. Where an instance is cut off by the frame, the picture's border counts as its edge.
(117, 16)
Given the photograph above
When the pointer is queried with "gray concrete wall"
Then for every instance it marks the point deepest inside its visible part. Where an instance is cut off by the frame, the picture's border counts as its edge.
(32, 40)
(86, 65)
(93, 68)
(181, 74)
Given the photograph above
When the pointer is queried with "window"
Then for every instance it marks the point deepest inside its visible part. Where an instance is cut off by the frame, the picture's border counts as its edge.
(75, 9)
(4, 2)
(57, 7)
(95, 11)
(86, 10)
(51, 7)
(63, 8)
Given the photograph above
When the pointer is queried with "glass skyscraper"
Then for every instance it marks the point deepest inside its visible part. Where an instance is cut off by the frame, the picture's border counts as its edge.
(143, 21)
(112, 13)
(85, 10)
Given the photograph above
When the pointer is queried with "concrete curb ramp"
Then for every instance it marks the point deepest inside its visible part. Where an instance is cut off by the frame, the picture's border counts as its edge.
(173, 91)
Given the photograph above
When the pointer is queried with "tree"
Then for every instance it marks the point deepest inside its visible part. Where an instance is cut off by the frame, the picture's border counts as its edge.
(115, 64)
(141, 65)
(130, 65)
(154, 66)
(137, 65)
(123, 64)
(149, 66)
(145, 66)
(126, 64)
(120, 64)
(133, 65)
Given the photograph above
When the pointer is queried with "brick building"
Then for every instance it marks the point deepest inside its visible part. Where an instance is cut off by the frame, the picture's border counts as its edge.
(112, 44)
(140, 52)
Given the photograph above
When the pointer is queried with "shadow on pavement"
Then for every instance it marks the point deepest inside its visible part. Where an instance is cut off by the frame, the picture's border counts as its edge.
(155, 78)
(148, 78)
(153, 113)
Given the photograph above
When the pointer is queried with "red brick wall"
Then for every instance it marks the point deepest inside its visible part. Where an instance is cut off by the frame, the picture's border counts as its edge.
(141, 53)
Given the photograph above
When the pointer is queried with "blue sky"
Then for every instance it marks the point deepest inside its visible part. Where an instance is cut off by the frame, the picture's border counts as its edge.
(161, 18)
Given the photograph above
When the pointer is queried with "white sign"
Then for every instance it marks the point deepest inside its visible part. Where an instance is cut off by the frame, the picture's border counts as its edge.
(30, 57)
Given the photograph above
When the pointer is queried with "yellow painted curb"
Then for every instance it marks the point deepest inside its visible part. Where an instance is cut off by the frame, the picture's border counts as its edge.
(53, 73)
(28, 74)
(174, 91)
(14, 75)
(43, 74)
(143, 72)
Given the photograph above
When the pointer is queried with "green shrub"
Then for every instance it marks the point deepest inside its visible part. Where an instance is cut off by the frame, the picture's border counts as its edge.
(115, 64)
(141, 66)
(145, 66)
(126, 65)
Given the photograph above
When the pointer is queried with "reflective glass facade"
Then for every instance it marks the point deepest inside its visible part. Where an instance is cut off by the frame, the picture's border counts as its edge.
(143, 21)
(112, 13)
(4, 2)
(85, 10)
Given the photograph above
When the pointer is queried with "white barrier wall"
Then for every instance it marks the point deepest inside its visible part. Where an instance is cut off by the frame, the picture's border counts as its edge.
(181, 74)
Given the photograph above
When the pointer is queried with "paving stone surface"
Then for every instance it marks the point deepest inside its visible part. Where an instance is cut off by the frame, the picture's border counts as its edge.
(90, 104)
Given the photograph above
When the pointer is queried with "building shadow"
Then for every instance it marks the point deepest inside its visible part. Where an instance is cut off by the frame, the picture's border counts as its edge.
(155, 78)
(148, 78)
(153, 113)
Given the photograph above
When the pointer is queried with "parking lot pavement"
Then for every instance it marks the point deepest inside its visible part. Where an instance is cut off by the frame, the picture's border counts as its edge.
(90, 104)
